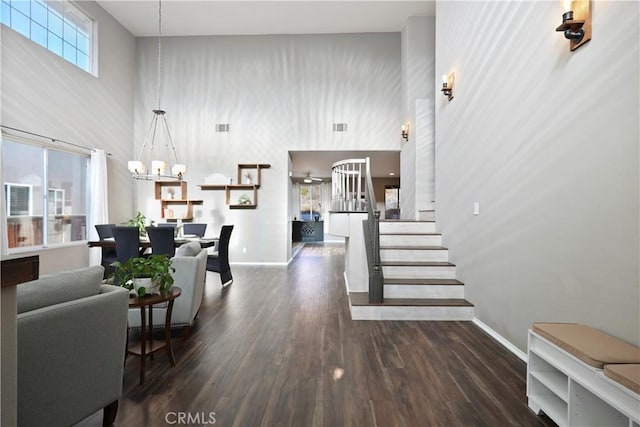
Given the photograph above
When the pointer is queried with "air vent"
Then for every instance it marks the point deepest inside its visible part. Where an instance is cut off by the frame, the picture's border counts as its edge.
(222, 127)
(339, 127)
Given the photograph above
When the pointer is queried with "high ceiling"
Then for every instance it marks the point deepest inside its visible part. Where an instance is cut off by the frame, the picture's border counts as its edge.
(318, 163)
(213, 17)
(239, 17)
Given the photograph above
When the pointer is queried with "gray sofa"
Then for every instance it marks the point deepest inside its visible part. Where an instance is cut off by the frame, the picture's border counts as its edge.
(190, 262)
(71, 342)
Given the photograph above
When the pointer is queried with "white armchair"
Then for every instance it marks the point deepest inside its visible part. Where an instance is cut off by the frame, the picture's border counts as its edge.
(190, 263)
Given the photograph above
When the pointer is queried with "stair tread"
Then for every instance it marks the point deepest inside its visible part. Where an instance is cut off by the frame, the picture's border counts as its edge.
(411, 221)
(412, 248)
(362, 298)
(418, 263)
(408, 233)
(426, 282)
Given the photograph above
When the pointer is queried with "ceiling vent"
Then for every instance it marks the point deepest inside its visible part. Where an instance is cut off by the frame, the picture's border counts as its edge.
(339, 127)
(222, 127)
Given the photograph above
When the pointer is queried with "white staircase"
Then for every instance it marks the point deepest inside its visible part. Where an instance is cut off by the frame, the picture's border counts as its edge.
(419, 281)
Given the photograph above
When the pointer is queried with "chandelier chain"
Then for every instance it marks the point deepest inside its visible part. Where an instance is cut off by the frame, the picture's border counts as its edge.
(159, 51)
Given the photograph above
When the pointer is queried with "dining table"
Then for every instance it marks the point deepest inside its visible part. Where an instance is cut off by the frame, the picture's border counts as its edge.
(205, 242)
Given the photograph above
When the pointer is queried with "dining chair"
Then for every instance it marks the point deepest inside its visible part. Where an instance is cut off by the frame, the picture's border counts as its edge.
(105, 231)
(127, 242)
(219, 263)
(196, 229)
(162, 240)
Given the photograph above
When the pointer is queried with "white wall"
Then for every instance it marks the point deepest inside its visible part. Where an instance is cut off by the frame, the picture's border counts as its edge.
(418, 154)
(547, 141)
(45, 94)
(278, 93)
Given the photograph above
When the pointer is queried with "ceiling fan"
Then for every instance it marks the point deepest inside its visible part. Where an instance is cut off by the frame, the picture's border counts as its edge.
(310, 179)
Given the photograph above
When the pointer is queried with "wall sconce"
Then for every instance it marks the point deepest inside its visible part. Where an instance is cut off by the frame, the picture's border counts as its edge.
(576, 22)
(405, 132)
(447, 85)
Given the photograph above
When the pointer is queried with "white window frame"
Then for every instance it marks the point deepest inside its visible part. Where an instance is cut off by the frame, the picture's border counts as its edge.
(8, 186)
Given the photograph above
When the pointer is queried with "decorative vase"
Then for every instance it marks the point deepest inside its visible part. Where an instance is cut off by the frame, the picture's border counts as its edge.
(149, 286)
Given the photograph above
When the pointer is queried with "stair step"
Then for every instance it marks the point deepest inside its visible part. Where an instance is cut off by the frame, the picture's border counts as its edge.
(414, 253)
(410, 239)
(413, 248)
(362, 298)
(418, 263)
(410, 308)
(403, 226)
(422, 282)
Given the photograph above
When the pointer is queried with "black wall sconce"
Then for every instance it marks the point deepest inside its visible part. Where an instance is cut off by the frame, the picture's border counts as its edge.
(576, 22)
(405, 132)
(447, 85)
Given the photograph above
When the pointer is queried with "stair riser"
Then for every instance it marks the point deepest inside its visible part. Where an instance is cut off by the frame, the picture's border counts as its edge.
(407, 227)
(419, 272)
(427, 216)
(414, 255)
(411, 313)
(410, 240)
(423, 291)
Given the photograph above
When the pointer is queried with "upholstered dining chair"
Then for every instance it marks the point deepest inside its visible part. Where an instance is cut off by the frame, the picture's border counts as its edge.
(105, 231)
(197, 229)
(219, 263)
(127, 242)
(162, 240)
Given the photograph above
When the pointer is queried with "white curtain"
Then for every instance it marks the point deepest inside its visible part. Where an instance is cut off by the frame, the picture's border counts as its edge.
(99, 200)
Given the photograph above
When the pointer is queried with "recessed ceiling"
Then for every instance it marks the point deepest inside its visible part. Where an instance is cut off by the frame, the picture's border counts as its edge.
(318, 163)
(212, 17)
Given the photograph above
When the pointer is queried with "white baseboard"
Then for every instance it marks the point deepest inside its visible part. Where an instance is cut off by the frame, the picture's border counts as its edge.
(502, 340)
(346, 281)
(268, 264)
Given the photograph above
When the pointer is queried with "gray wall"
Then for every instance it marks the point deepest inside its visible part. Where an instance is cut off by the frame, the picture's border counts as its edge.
(547, 141)
(278, 93)
(45, 94)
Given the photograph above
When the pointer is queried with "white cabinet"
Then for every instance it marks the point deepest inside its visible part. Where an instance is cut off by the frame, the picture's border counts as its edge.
(573, 393)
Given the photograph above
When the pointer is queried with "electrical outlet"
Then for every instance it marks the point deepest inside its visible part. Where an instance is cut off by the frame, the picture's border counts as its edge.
(476, 208)
(244, 250)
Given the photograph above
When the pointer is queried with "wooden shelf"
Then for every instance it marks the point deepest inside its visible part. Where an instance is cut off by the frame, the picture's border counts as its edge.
(159, 185)
(253, 186)
(251, 206)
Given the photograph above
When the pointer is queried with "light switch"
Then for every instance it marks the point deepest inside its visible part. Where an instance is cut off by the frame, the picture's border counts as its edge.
(476, 208)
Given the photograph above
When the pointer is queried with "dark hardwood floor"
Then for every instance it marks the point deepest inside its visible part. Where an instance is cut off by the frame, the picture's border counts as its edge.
(278, 348)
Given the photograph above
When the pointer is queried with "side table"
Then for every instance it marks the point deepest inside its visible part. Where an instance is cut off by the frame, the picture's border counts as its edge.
(144, 303)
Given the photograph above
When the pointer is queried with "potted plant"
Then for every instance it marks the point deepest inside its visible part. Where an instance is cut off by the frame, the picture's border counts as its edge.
(139, 221)
(147, 275)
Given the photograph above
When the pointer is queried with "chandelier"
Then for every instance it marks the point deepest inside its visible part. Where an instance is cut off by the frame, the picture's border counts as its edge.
(158, 129)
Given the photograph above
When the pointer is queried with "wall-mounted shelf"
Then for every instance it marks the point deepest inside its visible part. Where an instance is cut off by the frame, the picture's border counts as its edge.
(243, 184)
(177, 190)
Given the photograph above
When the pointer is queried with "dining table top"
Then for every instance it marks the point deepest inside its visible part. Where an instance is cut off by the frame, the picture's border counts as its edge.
(205, 242)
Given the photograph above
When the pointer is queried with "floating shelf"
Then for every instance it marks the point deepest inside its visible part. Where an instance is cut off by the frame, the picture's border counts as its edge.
(253, 186)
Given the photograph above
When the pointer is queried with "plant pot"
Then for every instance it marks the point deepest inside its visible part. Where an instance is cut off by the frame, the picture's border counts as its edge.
(149, 287)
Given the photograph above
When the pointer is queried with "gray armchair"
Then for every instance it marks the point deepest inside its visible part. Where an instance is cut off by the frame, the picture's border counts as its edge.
(71, 341)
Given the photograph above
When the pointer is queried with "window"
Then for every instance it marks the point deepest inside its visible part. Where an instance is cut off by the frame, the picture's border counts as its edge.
(18, 199)
(56, 25)
(45, 195)
(310, 202)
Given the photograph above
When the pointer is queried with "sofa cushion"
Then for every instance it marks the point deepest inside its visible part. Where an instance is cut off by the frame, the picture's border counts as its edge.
(60, 287)
(590, 345)
(189, 249)
(627, 375)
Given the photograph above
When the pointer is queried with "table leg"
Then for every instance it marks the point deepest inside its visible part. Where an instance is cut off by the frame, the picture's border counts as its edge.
(167, 334)
(151, 330)
(143, 342)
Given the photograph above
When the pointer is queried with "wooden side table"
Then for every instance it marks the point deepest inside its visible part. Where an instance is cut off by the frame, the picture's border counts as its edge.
(145, 303)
